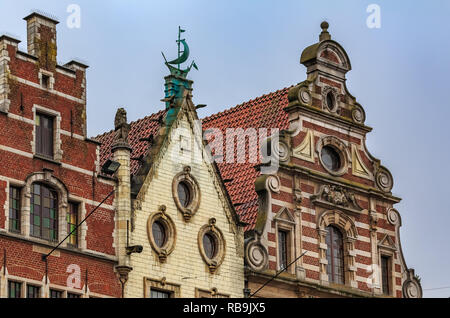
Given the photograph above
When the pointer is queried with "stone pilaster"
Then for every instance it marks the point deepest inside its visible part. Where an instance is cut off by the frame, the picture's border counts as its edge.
(4, 71)
(121, 154)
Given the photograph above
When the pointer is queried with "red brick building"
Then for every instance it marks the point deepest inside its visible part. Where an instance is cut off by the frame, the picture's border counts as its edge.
(327, 199)
(50, 176)
(328, 196)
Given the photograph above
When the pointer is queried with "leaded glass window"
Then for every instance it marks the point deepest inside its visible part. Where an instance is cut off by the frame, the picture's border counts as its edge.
(44, 212)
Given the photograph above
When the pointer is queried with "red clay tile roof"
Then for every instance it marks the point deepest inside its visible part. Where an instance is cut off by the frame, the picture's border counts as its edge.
(262, 112)
(141, 128)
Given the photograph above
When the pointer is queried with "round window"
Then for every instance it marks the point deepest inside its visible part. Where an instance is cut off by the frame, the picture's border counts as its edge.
(159, 233)
(209, 245)
(330, 101)
(330, 158)
(184, 194)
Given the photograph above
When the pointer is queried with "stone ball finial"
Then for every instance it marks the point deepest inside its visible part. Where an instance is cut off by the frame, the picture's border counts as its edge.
(324, 35)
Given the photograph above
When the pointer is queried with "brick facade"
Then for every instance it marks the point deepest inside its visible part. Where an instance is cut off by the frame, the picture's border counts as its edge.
(32, 83)
(355, 198)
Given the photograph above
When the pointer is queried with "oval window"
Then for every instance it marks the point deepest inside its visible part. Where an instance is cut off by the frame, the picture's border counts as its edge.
(184, 194)
(330, 101)
(330, 158)
(209, 245)
(159, 233)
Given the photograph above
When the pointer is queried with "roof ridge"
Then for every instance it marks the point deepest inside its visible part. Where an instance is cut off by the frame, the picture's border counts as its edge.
(235, 108)
(131, 123)
(147, 116)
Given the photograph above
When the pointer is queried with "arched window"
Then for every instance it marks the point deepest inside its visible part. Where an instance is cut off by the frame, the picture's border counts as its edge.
(44, 212)
(335, 255)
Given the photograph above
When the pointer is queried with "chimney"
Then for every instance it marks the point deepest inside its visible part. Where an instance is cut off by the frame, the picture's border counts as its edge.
(41, 39)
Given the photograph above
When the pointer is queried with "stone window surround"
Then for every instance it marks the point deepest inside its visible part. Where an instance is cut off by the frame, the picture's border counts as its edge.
(161, 285)
(51, 79)
(171, 233)
(289, 226)
(82, 231)
(216, 261)
(188, 179)
(48, 179)
(57, 151)
(212, 293)
(348, 229)
(385, 251)
(336, 107)
(341, 149)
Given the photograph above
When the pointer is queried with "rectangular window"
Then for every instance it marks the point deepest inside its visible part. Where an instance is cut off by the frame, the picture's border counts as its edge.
(45, 81)
(385, 273)
(33, 291)
(154, 293)
(56, 293)
(283, 248)
(72, 221)
(14, 209)
(14, 289)
(71, 295)
(44, 135)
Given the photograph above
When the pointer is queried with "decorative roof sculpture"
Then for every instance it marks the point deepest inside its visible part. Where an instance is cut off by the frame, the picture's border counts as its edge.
(174, 65)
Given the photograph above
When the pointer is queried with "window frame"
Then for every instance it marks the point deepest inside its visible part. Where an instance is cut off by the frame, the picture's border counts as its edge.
(285, 222)
(17, 210)
(41, 217)
(17, 283)
(191, 183)
(333, 277)
(38, 290)
(40, 149)
(69, 213)
(162, 285)
(60, 293)
(169, 293)
(283, 248)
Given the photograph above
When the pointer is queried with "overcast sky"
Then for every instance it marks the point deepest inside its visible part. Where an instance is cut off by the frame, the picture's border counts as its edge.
(245, 49)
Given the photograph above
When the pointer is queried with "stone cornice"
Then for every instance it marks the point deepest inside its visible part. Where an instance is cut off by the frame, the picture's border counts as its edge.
(31, 240)
(357, 187)
(291, 279)
(330, 117)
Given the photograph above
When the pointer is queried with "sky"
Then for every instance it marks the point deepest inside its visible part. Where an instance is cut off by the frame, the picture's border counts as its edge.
(247, 48)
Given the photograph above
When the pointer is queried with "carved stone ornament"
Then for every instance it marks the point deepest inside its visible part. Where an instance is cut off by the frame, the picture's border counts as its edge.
(336, 196)
(411, 286)
(304, 96)
(282, 150)
(191, 183)
(342, 150)
(256, 256)
(384, 179)
(212, 230)
(171, 235)
(393, 216)
(358, 114)
(121, 127)
(298, 198)
(336, 97)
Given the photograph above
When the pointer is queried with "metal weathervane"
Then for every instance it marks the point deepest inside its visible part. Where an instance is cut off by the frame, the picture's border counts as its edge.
(182, 57)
